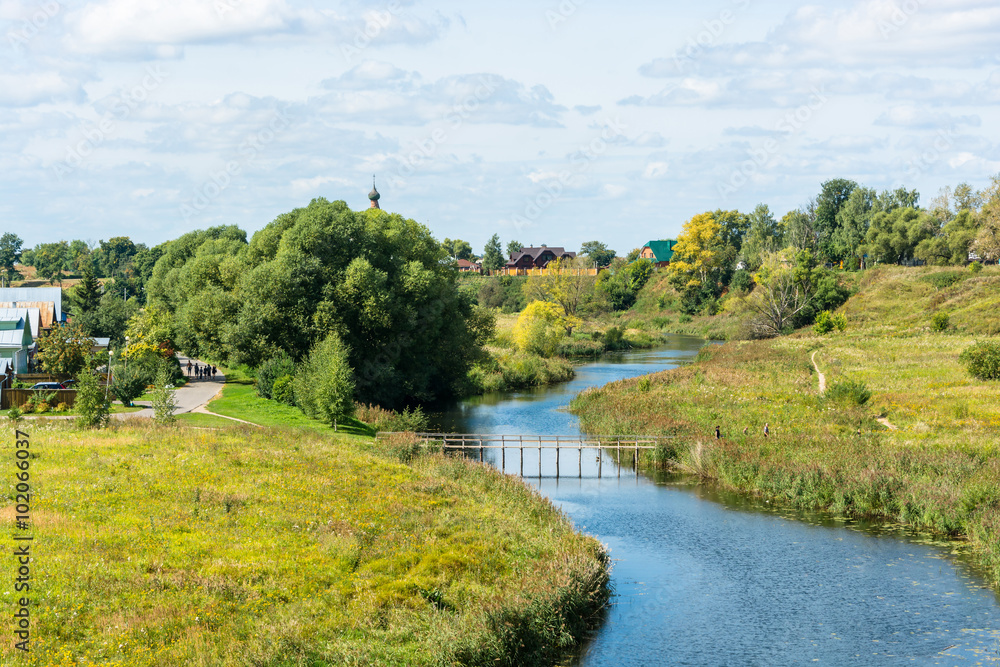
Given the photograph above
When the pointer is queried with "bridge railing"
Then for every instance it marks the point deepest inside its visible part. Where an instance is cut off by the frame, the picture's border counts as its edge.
(473, 442)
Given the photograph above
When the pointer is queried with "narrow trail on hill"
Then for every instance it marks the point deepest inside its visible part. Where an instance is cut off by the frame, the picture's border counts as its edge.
(822, 388)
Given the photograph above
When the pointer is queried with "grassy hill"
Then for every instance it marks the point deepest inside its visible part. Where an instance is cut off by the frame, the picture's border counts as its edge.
(279, 547)
(934, 460)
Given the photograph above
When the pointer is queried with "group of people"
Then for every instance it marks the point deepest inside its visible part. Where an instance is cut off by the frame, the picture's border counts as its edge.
(746, 431)
(201, 371)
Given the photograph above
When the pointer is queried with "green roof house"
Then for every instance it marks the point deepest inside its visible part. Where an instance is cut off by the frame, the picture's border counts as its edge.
(15, 342)
(660, 252)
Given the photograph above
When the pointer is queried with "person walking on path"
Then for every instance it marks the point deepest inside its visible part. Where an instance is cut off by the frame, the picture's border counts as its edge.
(718, 435)
(766, 430)
(214, 371)
(189, 368)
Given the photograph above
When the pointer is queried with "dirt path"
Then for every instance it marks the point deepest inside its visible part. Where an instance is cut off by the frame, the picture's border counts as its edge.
(822, 388)
(822, 378)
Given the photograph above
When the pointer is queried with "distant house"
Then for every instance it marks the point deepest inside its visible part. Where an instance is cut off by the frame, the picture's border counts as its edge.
(48, 301)
(465, 266)
(535, 258)
(16, 342)
(32, 316)
(659, 252)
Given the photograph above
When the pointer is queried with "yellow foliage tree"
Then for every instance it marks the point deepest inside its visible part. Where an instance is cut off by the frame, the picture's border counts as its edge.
(540, 327)
(699, 250)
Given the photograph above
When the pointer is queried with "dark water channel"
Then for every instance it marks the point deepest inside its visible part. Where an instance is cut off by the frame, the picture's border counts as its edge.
(703, 577)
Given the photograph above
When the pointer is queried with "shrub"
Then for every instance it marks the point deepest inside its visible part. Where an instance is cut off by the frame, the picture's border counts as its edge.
(15, 413)
(42, 407)
(385, 420)
(271, 370)
(324, 382)
(540, 328)
(982, 360)
(92, 404)
(742, 281)
(62, 407)
(685, 318)
(164, 398)
(839, 321)
(824, 323)
(975, 268)
(944, 279)
(283, 390)
(614, 339)
(939, 322)
(129, 382)
(644, 383)
(850, 392)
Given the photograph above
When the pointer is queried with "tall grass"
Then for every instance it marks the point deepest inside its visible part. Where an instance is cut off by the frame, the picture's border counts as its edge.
(271, 547)
(940, 470)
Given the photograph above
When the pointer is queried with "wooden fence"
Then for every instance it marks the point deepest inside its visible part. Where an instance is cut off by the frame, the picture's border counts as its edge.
(20, 397)
(544, 272)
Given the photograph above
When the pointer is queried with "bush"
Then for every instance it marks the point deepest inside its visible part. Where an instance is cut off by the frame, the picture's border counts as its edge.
(271, 370)
(982, 360)
(940, 322)
(283, 390)
(975, 268)
(92, 404)
(850, 392)
(839, 321)
(614, 339)
(62, 407)
(14, 414)
(742, 281)
(164, 397)
(824, 323)
(539, 328)
(129, 383)
(324, 382)
(385, 420)
(684, 319)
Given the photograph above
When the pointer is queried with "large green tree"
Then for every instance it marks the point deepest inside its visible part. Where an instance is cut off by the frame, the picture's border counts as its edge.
(493, 255)
(764, 237)
(598, 252)
(51, 259)
(457, 249)
(894, 236)
(10, 254)
(832, 197)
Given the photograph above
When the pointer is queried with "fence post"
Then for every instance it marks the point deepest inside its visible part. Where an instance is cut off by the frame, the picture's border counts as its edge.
(618, 446)
(557, 457)
(635, 458)
(520, 439)
(503, 453)
(539, 457)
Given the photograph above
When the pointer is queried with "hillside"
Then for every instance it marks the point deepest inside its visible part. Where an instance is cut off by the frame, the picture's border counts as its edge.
(933, 461)
(274, 547)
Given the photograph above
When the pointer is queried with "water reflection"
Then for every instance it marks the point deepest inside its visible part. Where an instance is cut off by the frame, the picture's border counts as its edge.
(705, 577)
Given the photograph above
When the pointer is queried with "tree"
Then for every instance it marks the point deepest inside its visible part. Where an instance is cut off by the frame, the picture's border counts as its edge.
(324, 382)
(92, 404)
(115, 255)
(987, 243)
(733, 228)
(888, 200)
(514, 247)
(799, 230)
(85, 296)
(894, 236)
(599, 254)
(833, 195)
(763, 236)
(783, 291)
(10, 253)
(967, 199)
(853, 220)
(457, 249)
(492, 256)
(540, 327)
(63, 350)
(566, 282)
(700, 252)
(954, 242)
(51, 259)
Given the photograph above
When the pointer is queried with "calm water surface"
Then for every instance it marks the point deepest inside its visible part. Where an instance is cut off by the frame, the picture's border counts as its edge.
(709, 578)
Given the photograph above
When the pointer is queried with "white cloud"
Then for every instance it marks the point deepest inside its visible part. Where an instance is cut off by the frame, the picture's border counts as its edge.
(913, 117)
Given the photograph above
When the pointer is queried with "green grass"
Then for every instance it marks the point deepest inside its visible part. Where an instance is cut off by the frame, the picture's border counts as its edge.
(242, 402)
(939, 470)
(202, 420)
(278, 547)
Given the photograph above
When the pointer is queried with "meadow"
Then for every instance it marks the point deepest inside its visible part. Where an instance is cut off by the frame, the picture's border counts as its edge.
(932, 462)
(158, 546)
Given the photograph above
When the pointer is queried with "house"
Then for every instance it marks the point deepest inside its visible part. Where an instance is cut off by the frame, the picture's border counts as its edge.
(659, 252)
(16, 342)
(465, 266)
(535, 258)
(32, 316)
(48, 300)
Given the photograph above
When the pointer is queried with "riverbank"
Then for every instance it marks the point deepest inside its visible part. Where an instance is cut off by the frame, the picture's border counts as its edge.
(265, 546)
(938, 470)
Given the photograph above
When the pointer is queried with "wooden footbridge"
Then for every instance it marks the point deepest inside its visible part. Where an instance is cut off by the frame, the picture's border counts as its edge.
(620, 450)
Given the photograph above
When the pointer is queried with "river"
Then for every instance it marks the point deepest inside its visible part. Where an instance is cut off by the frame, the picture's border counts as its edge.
(703, 577)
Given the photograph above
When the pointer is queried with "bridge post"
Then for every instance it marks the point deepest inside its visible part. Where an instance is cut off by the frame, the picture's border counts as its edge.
(480, 450)
(539, 457)
(520, 439)
(581, 459)
(600, 458)
(618, 446)
(557, 457)
(503, 453)
(635, 458)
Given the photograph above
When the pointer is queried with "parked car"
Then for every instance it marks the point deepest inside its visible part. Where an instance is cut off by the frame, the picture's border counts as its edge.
(69, 384)
(50, 386)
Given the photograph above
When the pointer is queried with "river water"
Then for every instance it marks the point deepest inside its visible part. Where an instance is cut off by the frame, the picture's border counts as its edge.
(703, 577)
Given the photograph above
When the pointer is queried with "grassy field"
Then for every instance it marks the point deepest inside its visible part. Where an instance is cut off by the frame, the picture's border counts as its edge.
(280, 547)
(938, 467)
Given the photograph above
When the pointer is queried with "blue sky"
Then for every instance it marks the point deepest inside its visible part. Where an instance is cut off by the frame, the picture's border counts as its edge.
(547, 122)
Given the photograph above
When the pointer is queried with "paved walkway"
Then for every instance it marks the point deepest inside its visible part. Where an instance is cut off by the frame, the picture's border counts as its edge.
(192, 397)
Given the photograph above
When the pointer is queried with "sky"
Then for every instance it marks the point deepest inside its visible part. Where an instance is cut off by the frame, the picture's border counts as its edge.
(550, 122)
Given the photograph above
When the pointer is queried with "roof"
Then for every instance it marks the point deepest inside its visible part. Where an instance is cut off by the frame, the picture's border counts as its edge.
(30, 315)
(662, 250)
(535, 253)
(18, 338)
(46, 294)
(5, 366)
(466, 264)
